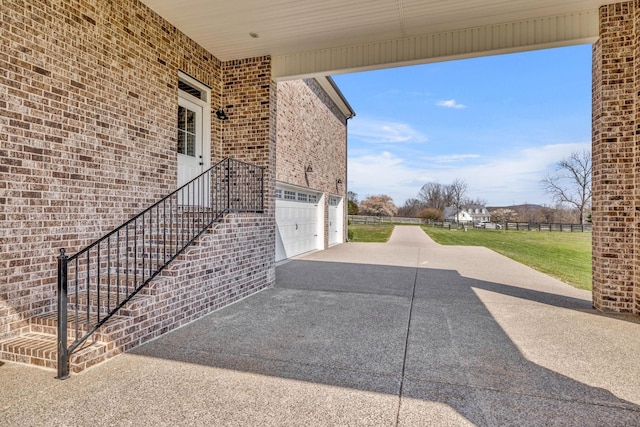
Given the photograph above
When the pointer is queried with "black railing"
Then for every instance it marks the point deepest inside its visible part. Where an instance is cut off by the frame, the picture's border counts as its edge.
(97, 281)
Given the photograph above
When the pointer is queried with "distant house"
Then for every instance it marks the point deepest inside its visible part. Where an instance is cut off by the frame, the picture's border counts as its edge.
(451, 214)
(468, 213)
(478, 213)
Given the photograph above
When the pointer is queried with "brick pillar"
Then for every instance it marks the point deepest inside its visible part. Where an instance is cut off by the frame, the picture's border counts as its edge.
(248, 97)
(616, 214)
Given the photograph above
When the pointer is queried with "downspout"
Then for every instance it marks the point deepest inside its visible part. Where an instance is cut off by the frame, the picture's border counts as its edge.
(346, 178)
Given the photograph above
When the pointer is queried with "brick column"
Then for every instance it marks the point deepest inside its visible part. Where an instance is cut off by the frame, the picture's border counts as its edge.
(248, 97)
(615, 160)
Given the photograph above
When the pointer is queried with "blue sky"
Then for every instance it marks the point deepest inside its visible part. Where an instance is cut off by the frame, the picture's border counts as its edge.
(500, 123)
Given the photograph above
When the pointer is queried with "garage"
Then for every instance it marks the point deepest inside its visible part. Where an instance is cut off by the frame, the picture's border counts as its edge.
(299, 222)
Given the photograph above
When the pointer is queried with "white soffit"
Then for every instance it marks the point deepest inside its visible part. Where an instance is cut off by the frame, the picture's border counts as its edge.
(520, 36)
(311, 37)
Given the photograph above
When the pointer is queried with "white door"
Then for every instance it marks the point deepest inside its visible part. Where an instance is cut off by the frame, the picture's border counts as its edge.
(296, 226)
(335, 220)
(190, 140)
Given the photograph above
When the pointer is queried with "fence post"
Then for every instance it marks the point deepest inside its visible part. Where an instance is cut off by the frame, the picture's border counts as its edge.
(63, 352)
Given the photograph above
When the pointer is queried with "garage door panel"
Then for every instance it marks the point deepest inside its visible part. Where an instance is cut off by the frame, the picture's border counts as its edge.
(297, 224)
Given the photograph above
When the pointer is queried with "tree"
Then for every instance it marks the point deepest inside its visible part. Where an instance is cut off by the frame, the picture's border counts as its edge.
(503, 215)
(380, 205)
(431, 214)
(571, 184)
(411, 208)
(475, 202)
(435, 195)
(352, 207)
(458, 190)
(352, 203)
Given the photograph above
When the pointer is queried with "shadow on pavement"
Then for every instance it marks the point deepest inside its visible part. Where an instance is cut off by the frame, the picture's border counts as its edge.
(422, 334)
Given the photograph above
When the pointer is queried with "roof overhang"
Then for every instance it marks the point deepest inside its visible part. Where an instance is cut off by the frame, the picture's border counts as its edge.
(309, 38)
(331, 89)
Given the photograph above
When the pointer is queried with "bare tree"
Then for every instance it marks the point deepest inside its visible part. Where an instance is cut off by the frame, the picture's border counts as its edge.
(435, 195)
(380, 205)
(411, 208)
(431, 214)
(571, 184)
(474, 202)
(458, 190)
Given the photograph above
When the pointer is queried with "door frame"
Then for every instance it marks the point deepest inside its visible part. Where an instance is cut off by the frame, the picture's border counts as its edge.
(205, 127)
(339, 220)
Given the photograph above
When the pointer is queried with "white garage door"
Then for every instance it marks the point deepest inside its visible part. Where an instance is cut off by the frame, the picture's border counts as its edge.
(335, 220)
(297, 223)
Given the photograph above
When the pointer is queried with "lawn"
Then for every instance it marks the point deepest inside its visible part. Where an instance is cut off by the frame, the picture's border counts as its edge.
(565, 256)
(376, 233)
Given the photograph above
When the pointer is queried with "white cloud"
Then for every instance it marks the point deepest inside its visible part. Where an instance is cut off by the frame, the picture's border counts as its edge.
(382, 173)
(451, 158)
(513, 178)
(451, 103)
(380, 131)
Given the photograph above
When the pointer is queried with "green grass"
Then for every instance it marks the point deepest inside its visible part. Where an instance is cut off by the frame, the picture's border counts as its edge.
(565, 256)
(370, 233)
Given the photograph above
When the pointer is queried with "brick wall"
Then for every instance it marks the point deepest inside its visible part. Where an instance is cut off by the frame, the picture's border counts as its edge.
(88, 104)
(311, 130)
(616, 84)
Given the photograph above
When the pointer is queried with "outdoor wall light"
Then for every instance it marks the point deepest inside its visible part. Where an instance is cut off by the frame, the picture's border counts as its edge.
(338, 181)
(307, 171)
(222, 115)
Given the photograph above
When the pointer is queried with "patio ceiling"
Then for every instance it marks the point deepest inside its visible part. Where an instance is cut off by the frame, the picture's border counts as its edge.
(312, 37)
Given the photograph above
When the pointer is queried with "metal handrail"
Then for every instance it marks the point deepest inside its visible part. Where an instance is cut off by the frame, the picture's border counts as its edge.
(107, 273)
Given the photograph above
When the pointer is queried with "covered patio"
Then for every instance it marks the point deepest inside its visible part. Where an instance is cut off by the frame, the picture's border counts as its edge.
(305, 39)
(400, 334)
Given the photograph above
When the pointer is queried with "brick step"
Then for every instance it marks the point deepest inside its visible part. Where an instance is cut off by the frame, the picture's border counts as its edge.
(104, 305)
(41, 350)
(114, 329)
(133, 279)
(141, 318)
(125, 283)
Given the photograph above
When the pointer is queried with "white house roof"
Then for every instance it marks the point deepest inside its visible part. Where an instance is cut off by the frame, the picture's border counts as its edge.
(311, 37)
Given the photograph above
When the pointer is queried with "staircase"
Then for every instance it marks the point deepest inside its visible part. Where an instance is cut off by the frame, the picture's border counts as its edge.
(113, 295)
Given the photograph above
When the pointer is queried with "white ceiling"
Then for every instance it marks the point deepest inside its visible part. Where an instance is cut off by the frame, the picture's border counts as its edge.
(286, 27)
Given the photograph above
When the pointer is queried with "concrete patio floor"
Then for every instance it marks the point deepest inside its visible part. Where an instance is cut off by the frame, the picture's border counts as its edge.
(405, 333)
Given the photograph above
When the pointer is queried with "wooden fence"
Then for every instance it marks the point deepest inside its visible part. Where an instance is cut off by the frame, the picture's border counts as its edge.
(581, 228)
(361, 219)
(559, 227)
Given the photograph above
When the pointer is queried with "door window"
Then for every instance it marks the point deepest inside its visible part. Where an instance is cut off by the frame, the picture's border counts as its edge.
(186, 131)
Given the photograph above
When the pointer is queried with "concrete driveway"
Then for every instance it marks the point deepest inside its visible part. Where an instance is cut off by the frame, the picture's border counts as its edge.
(404, 333)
